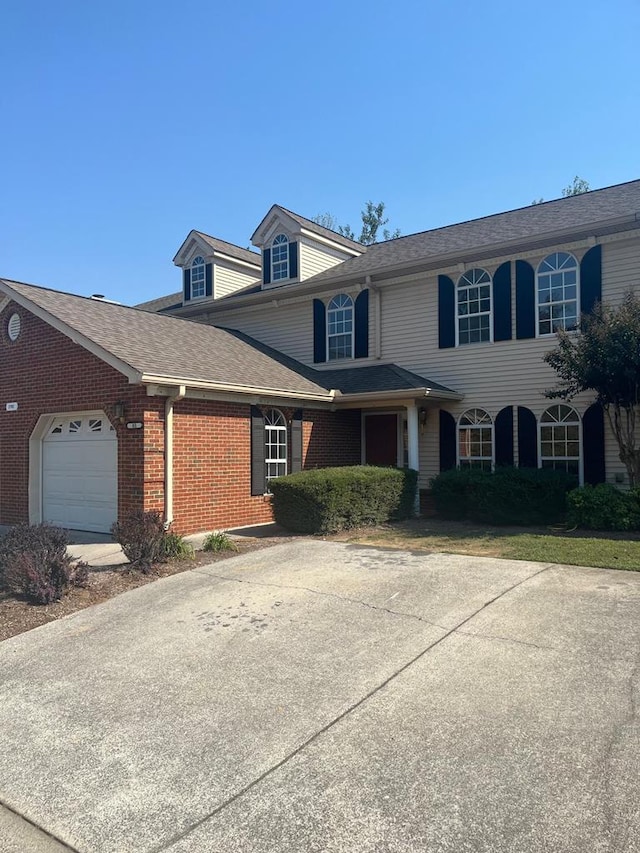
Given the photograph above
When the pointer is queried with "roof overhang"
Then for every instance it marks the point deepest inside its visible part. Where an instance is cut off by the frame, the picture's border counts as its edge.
(429, 263)
(134, 376)
(169, 382)
(208, 251)
(370, 398)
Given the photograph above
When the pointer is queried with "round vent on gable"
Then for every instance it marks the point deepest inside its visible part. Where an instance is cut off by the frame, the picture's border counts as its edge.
(13, 327)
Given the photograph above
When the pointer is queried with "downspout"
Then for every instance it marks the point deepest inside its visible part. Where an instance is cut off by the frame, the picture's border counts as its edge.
(168, 453)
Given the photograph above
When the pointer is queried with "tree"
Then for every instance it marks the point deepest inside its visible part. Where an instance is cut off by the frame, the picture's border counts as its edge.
(372, 221)
(605, 358)
(577, 187)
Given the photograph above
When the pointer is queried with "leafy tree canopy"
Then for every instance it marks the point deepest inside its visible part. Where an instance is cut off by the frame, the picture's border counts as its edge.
(373, 222)
(576, 187)
(605, 358)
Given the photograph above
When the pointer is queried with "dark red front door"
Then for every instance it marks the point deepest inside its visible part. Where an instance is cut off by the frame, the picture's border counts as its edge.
(381, 439)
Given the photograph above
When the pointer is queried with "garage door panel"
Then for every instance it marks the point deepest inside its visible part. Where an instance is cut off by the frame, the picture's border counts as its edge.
(79, 475)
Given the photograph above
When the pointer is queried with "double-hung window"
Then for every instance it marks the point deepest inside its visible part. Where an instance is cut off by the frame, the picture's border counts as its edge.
(557, 293)
(280, 258)
(340, 327)
(275, 444)
(198, 285)
(474, 307)
(475, 440)
(560, 439)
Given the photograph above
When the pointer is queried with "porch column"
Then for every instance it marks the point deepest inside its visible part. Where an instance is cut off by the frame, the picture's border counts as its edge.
(413, 446)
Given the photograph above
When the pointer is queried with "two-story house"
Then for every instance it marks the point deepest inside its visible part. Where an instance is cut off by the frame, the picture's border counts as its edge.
(313, 350)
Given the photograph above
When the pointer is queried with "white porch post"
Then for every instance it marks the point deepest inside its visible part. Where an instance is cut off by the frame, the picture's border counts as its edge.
(413, 446)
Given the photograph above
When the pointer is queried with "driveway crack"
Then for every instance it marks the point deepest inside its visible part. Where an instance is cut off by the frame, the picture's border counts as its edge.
(332, 723)
(334, 595)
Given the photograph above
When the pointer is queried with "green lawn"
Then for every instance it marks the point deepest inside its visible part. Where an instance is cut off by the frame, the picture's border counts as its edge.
(578, 548)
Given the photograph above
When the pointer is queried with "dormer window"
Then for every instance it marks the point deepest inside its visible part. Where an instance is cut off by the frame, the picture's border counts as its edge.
(198, 277)
(280, 258)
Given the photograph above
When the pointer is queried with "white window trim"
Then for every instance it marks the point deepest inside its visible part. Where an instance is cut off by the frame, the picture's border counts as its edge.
(273, 243)
(280, 428)
(562, 458)
(353, 329)
(552, 334)
(460, 427)
(458, 318)
(203, 295)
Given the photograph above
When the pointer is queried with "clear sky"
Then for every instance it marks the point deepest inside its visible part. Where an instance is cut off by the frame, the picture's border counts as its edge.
(125, 124)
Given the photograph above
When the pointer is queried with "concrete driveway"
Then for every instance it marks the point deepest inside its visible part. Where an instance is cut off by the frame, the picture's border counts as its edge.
(318, 697)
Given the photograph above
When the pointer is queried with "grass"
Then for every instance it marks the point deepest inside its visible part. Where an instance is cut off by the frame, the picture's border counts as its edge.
(546, 545)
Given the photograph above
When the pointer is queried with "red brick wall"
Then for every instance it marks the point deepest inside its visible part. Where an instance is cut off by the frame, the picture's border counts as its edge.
(45, 372)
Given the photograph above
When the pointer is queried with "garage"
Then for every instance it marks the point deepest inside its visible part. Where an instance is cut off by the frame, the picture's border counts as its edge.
(80, 472)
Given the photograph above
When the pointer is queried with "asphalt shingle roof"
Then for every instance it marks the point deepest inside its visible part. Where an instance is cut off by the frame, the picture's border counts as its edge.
(231, 249)
(310, 225)
(161, 345)
(165, 346)
(162, 303)
(524, 223)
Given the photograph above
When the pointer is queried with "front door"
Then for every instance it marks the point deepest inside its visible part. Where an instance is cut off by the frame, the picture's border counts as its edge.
(381, 439)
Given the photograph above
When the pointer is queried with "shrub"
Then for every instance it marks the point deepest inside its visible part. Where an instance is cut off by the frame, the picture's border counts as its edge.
(603, 507)
(218, 541)
(326, 500)
(34, 562)
(521, 496)
(141, 536)
(175, 547)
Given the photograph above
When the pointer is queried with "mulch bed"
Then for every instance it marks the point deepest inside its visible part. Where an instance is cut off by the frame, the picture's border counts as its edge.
(18, 615)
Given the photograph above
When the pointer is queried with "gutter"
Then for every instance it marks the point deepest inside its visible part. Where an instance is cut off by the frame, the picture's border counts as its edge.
(399, 394)
(149, 379)
(168, 453)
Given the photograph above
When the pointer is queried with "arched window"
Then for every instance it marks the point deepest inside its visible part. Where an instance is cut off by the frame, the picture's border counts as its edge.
(474, 307)
(340, 327)
(560, 439)
(275, 444)
(475, 440)
(557, 293)
(280, 257)
(198, 287)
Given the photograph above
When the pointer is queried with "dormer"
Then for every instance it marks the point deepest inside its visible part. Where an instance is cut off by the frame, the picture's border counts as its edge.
(212, 268)
(295, 249)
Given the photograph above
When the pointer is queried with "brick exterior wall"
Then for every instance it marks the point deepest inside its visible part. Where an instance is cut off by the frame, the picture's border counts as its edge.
(45, 372)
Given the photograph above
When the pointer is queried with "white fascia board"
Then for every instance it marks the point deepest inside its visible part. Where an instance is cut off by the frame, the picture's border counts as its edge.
(181, 254)
(172, 381)
(333, 244)
(412, 394)
(134, 376)
(275, 217)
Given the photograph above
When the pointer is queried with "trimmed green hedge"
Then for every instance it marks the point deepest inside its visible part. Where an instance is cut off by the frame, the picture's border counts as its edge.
(603, 507)
(521, 496)
(326, 500)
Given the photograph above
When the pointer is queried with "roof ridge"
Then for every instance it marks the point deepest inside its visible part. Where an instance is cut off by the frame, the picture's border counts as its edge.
(503, 212)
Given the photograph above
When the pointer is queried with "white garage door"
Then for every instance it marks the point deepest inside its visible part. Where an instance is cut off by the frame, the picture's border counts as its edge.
(80, 473)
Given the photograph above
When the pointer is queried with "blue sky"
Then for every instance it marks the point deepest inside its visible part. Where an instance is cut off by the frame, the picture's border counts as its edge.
(126, 124)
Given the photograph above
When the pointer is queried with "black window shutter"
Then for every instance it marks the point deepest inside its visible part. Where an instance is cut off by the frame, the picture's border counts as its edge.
(208, 279)
(293, 260)
(503, 436)
(593, 444)
(447, 441)
(527, 438)
(446, 312)
(266, 266)
(319, 331)
(525, 300)
(296, 441)
(258, 470)
(186, 284)
(591, 279)
(361, 325)
(502, 303)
